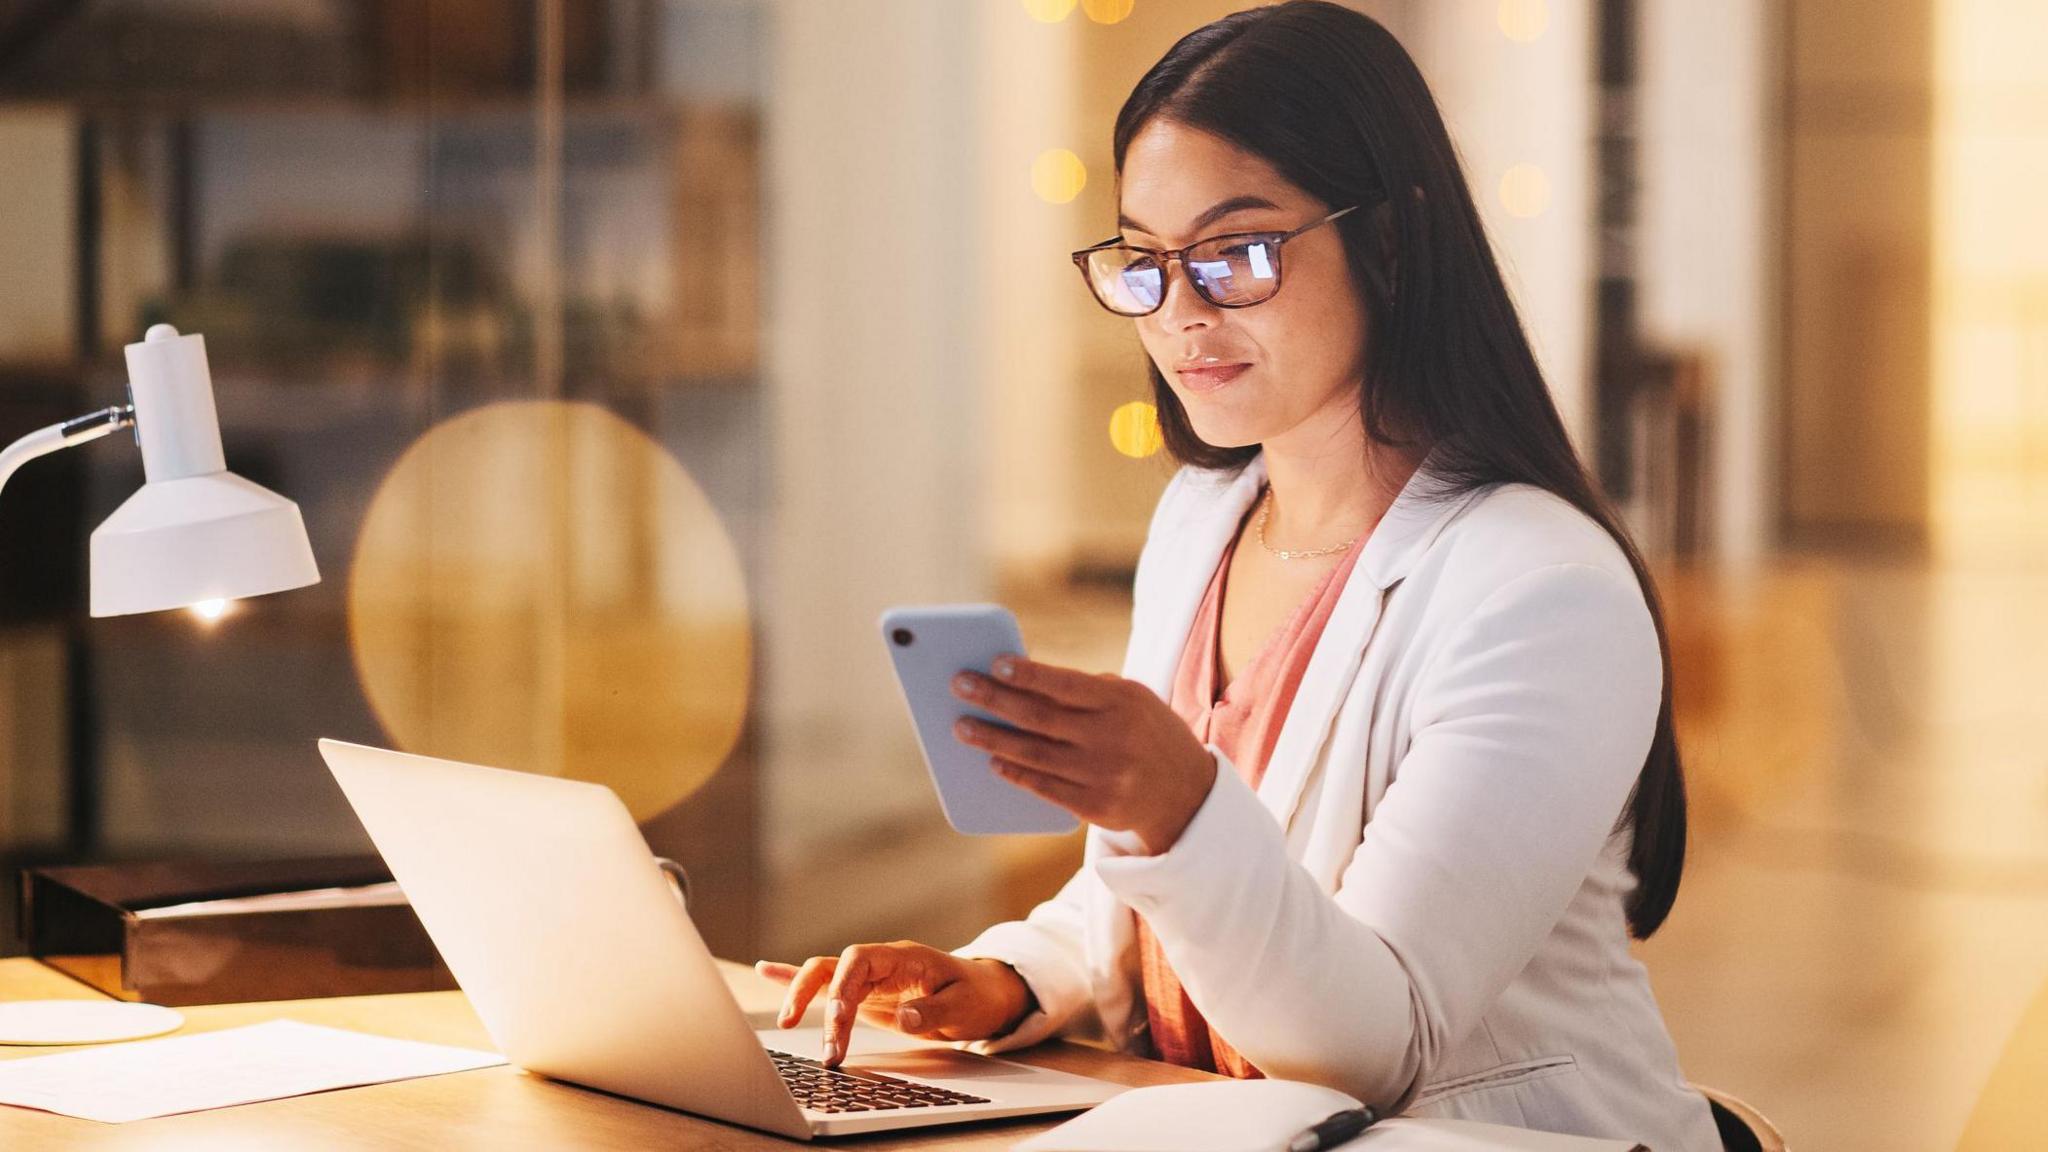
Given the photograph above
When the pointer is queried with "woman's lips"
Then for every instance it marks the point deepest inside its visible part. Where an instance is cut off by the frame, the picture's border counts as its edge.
(1208, 377)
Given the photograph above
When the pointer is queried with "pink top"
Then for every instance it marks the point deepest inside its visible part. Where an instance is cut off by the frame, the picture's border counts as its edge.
(1245, 723)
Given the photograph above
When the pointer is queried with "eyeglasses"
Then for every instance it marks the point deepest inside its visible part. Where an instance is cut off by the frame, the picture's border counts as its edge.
(1234, 271)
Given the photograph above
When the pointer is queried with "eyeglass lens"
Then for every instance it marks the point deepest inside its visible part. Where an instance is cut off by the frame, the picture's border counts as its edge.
(1229, 272)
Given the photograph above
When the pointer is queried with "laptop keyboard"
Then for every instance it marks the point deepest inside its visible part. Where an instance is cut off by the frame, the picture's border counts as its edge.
(823, 1089)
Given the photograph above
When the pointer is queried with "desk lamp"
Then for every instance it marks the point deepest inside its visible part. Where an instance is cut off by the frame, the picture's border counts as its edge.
(196, 535)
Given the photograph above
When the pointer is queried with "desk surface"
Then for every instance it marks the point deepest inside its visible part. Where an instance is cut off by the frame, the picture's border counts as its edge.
(490, 1109)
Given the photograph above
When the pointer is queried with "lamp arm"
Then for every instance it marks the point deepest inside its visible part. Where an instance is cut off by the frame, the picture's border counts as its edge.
(78, 430)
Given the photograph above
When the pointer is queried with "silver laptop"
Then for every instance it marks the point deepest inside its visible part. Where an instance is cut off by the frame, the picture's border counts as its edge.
(569, 942)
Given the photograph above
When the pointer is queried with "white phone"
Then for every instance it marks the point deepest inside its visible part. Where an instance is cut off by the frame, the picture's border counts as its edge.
(928, 644)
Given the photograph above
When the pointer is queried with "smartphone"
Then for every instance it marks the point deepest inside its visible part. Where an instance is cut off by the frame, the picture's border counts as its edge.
(928, 644)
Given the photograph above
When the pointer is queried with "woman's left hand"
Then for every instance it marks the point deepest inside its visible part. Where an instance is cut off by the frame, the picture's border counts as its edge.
(1107, 749)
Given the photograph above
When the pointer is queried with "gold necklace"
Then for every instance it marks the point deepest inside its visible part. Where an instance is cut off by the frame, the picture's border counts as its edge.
(1265, 506)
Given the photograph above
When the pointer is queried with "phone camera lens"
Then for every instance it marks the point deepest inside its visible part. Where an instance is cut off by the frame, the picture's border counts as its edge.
(902, 637)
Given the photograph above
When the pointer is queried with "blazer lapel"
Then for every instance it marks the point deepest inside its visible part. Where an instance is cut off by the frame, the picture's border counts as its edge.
(1331, 668)
(1189, 558)
(1400, 538)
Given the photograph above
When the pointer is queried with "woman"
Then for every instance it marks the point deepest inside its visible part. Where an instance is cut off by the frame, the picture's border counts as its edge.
(1389, 779)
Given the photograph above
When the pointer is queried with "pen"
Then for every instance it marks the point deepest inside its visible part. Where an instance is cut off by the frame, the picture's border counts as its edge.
(1335, 1129)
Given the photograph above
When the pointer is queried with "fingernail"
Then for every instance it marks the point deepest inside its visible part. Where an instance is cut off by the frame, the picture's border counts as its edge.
(910, 1018)
(964, 685)
(1005, 667)
(964, 729)
(831, 1052)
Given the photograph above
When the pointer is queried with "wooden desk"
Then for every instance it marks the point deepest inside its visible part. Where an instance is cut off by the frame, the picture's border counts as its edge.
(491, 1110)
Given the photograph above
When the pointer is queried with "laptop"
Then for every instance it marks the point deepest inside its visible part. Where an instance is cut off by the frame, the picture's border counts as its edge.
(572, 947)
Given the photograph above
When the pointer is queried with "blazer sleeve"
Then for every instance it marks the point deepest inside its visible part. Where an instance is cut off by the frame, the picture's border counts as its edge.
(1533, 718)
(1047, 949)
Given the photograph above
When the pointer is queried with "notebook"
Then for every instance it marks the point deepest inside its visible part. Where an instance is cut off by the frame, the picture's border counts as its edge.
(1261, 1115)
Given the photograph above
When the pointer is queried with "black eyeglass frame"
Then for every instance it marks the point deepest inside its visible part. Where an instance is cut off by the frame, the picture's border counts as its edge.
(1166, 256)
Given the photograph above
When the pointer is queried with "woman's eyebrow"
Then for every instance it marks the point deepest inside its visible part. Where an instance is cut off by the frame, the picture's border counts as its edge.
(1214, 213)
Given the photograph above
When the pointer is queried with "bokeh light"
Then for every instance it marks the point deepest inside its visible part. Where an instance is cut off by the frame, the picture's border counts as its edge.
(1058, 175)
(1049, 11)
(1524, 20)
(1107, 11)
(539, 585)
(1134, 430)
(1525, 190)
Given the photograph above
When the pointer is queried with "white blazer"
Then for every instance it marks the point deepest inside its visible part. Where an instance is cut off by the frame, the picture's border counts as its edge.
(1422, 903)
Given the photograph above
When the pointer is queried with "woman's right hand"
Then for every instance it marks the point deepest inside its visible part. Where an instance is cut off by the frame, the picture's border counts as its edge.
(906, 986)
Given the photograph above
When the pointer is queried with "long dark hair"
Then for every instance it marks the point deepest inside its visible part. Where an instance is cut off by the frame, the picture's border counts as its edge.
(1328, 96)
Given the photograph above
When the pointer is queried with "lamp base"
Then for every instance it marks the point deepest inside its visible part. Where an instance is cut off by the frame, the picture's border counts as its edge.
(42, 1022)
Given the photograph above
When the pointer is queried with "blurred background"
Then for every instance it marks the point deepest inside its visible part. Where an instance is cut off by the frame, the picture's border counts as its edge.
(628, 357)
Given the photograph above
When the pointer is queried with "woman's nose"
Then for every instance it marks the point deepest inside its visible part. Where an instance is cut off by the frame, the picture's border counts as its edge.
(1183, 307)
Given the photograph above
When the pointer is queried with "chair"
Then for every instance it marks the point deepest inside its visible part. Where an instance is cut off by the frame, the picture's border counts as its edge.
(1743, 1129)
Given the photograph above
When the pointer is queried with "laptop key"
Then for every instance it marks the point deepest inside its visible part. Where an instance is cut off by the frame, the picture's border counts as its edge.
(823, 1089)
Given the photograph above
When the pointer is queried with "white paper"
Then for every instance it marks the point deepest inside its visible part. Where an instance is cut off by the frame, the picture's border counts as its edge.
(1262, 1115)
(268, 1061)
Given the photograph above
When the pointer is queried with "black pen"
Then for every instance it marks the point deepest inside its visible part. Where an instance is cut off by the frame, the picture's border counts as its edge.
(1335, 1129)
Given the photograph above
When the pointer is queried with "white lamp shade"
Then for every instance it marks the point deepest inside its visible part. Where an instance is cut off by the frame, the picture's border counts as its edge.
(196, 531)
(185, 541)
